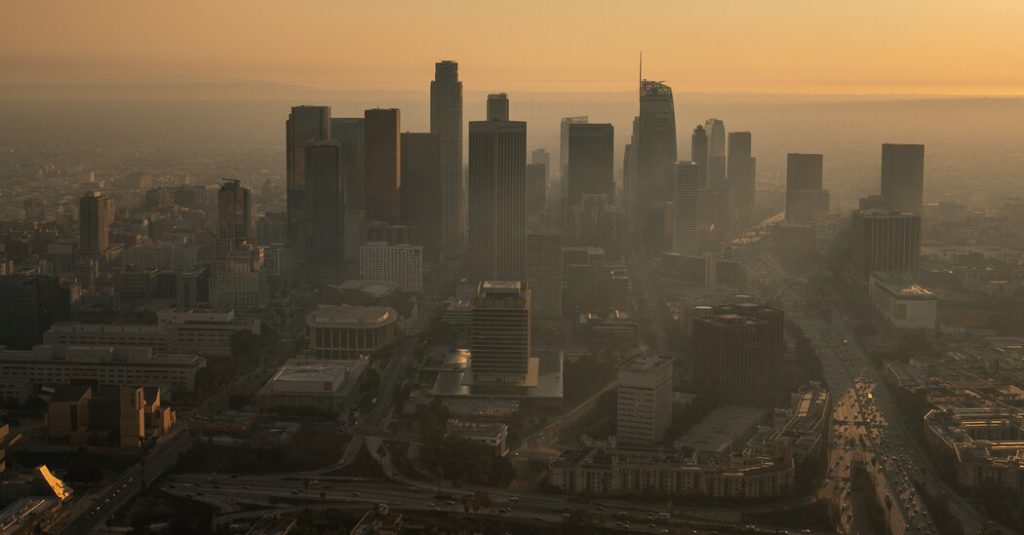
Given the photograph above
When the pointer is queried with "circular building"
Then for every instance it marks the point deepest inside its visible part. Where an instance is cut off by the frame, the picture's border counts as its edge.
(349, 331)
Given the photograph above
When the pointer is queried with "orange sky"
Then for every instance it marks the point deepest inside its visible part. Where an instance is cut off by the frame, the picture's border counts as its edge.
(778, 46)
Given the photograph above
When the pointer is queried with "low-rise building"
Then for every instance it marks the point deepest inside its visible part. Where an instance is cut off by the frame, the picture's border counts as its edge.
(491, 434)
(349, 331)
(55, 365)
(320, 384)
(605, 471)
(203, 332)
(985, 443)
(380, 520)
(904, 304)
(123, 416)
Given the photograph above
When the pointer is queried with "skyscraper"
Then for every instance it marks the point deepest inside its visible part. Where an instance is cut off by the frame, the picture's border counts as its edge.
(591, 161)
(544, 272)
(806, 201)
(738, 352)
(423, 191)
(536, 186)
(497, 200)
(305, 125)
(699, 154)
(644, 400)
(234, 211)
(499, 334)
(742, 173)
(497, 107)
(886, 241)
(446, 122)
(326, 178)
(95, 214)
(654, 152)
(715, 129)
(563, 150)
(382, 164)
(543, 157)
(349, 132)
(684, 229)
(903, 177)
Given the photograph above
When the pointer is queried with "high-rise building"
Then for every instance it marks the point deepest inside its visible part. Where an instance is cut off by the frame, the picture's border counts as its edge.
(591, 154)
(652, 166)
(684, 228)
(325, 205)
(563, 150)
(401, 264)
(305, 125)
(497, 107)
(239, 281)
(234, 214)
(715, 129)
(806, 201)
(272, 227)
(543, 157)
(499, 334)
(29, 305)
(742, 173)
(423, 191)
(738, 352)
(536, 187)
(382, 163)
(497, 200)
(644, 400)
(903, 177)
(349, 132)
(886, 241)
(544, 272)
(446, 122)
(95, 214)
(699, 154)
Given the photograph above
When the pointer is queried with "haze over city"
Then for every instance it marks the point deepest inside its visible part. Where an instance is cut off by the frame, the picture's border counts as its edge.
(560, 267)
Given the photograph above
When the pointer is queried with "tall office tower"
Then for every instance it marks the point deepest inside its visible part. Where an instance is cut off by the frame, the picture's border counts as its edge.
(715, 129)
(591, 154)
(563, 150)
(806, 201)
(272, 227)
(543, 157)
(446, 122)
(684, 228)
(239, 280)
(699, 154)
(423, 191)
(305, 125)
(29, 305)
(544, 273)
(886, 241)
(497, 200)
(655, 153)
(234, 212)
(382, 164)
(903, 177)
(738, 353)
(95, 215)
(349, 132)
(497, 107)
(536, 187)
(644, 406)
(499, 332)
(325, 205)
(742, 173)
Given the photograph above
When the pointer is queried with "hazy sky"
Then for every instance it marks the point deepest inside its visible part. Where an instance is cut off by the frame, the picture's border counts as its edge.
(816, 46)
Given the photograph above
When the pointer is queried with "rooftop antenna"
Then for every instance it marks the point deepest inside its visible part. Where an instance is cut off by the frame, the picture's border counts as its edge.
(641, 81)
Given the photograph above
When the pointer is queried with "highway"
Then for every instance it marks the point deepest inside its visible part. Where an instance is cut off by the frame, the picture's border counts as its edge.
(847, 369)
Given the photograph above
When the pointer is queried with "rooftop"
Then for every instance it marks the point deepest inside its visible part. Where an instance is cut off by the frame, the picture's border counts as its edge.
(334, 315)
